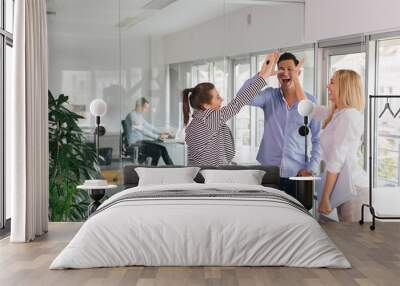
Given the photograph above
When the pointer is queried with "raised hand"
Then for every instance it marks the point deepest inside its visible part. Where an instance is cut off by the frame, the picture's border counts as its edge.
(268, 67)
(294, 76)
(295, 73)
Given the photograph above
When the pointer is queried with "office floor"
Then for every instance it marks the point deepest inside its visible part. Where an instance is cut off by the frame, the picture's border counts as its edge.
(375, 257)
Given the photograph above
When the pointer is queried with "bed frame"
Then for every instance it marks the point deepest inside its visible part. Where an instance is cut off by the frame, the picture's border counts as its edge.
(271, 178)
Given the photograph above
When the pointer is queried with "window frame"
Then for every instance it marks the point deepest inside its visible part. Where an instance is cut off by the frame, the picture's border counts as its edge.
(6, 39)
(374, 79)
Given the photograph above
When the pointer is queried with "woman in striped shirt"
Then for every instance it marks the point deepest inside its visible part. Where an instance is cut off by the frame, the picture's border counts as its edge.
(209, 140)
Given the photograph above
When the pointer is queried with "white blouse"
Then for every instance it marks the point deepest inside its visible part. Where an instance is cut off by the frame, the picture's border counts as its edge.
(340, 141)
(341, 138)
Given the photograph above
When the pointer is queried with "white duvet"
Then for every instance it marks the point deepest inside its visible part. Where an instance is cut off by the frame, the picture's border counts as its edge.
(193, 231)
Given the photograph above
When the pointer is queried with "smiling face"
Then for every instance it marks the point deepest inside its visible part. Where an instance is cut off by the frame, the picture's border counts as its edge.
(332, 88)
(285, 68)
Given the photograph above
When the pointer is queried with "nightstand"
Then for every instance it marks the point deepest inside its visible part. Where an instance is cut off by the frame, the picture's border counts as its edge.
(97, 190)
(305, 190)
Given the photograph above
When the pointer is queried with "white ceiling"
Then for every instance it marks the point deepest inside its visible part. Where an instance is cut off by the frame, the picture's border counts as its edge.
(103, 17)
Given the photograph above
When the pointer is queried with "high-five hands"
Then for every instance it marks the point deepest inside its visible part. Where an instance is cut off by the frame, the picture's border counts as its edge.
(268, 67)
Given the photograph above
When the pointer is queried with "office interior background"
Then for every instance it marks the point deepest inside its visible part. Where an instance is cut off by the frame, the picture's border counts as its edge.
(123, 50)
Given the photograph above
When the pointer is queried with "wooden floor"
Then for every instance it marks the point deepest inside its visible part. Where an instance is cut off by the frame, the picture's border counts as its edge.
(375, 257)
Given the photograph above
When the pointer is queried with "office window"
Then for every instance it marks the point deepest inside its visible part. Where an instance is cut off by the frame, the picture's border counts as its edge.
(200, 73)
(259, 113)
(243, 119)
(387, 155)
(6, 66)
(8, 89)
(221, 78)
(214, 72)
(9, 15)
(355, 62)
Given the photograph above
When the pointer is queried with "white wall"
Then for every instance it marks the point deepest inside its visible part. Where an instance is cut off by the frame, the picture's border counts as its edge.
(338, 18)
(271, 27)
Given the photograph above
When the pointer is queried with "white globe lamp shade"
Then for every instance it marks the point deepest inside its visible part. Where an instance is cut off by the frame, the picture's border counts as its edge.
(98, 107)
(305, 107)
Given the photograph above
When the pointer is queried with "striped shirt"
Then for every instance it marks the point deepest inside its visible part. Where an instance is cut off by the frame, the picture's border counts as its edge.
(209, 140)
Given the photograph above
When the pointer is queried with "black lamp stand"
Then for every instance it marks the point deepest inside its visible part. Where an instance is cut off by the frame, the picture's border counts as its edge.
(99, 131)
(305, 189)
(303, 131)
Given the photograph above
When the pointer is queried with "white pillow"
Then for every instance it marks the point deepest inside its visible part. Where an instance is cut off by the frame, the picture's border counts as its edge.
(165, 176)
(248, 177)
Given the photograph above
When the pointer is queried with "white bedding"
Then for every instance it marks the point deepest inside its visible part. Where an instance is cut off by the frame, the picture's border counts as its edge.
(200, 231)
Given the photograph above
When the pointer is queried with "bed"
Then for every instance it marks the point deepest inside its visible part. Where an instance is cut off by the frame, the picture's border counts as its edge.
(200, 225)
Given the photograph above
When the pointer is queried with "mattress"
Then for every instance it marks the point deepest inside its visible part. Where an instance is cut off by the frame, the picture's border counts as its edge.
(201, 225)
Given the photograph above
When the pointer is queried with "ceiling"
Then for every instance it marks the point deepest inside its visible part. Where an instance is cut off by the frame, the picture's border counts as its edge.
(139, 17)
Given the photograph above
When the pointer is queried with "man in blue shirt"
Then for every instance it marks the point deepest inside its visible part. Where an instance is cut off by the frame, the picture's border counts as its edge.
(282, 145)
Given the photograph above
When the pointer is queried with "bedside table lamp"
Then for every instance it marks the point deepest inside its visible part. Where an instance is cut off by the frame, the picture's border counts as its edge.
(305, 108)
(98, 108)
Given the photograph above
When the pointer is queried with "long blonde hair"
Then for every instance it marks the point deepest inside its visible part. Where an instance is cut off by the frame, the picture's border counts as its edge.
(349, 90)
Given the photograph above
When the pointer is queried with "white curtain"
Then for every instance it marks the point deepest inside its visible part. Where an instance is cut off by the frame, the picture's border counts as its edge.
(27, 137)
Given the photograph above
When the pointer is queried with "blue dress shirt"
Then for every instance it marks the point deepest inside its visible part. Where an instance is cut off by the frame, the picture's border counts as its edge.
(138, 128)
(282, 144)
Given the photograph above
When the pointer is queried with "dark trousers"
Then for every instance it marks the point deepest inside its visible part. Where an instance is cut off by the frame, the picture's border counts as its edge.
(154, 151)
(289, 187)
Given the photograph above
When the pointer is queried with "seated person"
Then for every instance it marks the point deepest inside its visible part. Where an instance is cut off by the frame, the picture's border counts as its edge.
(141, 132)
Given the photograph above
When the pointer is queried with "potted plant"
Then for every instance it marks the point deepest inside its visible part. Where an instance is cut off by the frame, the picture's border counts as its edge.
(71, 161)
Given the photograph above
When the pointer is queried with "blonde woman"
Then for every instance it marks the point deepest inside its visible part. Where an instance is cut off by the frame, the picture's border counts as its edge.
(342, 129)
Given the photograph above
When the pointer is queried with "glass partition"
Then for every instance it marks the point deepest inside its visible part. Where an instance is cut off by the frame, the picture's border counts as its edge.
(84, 65)
(388, 127)
(354, 61)
(9, 15)
(242, 121)
(132, 55)
(6, 69)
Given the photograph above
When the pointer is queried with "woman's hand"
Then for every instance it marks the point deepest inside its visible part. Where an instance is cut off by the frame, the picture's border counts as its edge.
(295, 76)
(268, 67)
(296, 72)
(324, 207)
(330, 180)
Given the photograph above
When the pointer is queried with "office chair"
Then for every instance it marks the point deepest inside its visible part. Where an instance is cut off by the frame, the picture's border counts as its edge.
(131, 151)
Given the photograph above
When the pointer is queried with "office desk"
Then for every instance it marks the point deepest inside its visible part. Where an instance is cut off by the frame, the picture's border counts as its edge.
(176, 150)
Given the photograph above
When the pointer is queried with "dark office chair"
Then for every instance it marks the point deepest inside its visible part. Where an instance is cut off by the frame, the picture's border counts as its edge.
(132, 151)
(128, 151)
